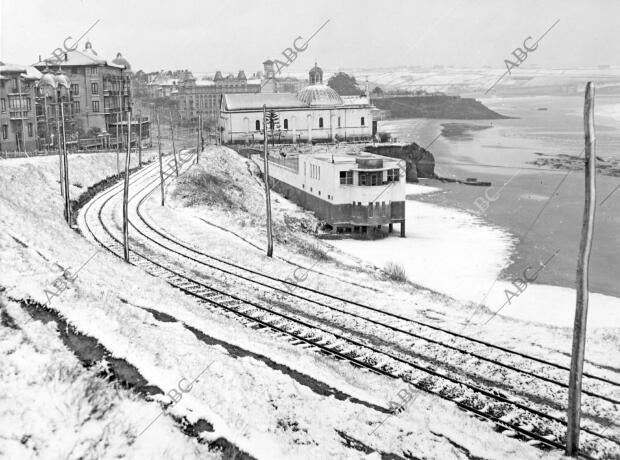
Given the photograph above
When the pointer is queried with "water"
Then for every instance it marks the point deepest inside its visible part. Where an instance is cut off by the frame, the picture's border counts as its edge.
(542, 219)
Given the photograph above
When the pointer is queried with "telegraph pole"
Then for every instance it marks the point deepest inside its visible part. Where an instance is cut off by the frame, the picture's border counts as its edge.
(140, 139)
(65, 162)
(198, 140)
(118, 163)
(60, 157)
(267, 194)
(161, 167)
(202, 138)
(126, 193)
(174, 150)
(583, 272)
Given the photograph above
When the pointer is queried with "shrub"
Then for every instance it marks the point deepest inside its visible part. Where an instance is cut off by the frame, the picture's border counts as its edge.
(395, 272)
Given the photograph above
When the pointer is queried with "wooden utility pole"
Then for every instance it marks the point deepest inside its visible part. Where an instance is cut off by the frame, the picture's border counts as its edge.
(267, 194)
(583, 272)
(198, 141)
(174, 150)
(202, 138)
(126, 193)
(140, 139)
(118, 164)
(161, 165)
(60, 158)
(65, 162)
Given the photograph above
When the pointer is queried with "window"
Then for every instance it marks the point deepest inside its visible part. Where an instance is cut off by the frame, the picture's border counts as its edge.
(370, 210)
(29, 129)
(75, 88)
(5, 131)
(95, 106)
(320, 122)
(3, 105)
(93, 70)
(339, 122)
(76, 106)
(94, 88)
(286, 123)
(362, 179)
(346, 177)
(393, 175)
(373, 179)
(14, 84)
(363, 121)
(257, 125)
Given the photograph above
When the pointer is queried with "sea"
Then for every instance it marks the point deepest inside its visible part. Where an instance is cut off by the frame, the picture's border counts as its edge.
(541, 207)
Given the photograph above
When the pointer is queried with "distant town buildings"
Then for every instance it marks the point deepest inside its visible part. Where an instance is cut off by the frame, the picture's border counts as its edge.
(203, 97)
(18, 120)
(94, 93)
(315, 113)
(274, 83)
(100, 90)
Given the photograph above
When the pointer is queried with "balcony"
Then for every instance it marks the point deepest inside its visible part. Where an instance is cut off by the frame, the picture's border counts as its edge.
(19, 114)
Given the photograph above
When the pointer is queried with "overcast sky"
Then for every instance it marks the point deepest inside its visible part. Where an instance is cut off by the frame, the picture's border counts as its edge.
(205, 35)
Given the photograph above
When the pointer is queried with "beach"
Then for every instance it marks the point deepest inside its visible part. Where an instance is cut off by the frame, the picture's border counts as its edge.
(528, 217)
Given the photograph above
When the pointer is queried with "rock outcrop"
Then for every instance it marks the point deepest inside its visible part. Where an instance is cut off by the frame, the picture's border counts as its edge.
(420, 162)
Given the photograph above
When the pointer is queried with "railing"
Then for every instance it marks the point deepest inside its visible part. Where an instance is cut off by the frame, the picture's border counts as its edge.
(18, 114)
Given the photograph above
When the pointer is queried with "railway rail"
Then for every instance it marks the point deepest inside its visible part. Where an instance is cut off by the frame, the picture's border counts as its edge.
(327, 329)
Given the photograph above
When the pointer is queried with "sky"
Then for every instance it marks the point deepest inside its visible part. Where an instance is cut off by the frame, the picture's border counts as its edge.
(207, 35)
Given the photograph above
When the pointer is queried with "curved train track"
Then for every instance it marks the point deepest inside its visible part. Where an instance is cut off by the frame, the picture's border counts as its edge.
(425, 355)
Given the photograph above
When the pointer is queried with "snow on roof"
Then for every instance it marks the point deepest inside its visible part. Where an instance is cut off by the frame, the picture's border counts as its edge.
(77, 58)
(257, 100)
(11, 68)
(29, 72)
(205, 83)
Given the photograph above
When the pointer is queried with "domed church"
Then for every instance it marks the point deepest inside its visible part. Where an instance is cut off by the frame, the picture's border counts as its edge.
(315, 114)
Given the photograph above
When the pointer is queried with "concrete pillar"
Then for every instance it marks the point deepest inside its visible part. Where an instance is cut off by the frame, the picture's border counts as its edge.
(402, 228)
(294, 123)
(332, 120)
(309, 120)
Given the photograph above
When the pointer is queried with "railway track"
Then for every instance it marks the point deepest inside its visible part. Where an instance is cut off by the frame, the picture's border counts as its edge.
(327, 329)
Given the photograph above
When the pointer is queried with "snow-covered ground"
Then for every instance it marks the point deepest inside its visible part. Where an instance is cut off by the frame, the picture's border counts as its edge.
(266, 396)
(455, 253)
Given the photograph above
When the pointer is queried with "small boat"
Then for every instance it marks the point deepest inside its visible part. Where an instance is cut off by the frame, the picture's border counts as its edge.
(475, 181)
(542, 108)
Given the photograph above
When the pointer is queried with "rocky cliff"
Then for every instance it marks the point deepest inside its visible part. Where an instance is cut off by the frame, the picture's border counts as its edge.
(420, 162)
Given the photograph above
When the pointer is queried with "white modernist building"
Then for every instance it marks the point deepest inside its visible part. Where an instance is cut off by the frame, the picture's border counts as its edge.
(315, 114)
(351, 191)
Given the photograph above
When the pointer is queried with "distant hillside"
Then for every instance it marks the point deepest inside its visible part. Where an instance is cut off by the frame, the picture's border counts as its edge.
(436, 107)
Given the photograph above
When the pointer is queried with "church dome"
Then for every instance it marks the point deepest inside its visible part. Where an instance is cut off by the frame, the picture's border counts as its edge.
(120, 60)
(319, 95)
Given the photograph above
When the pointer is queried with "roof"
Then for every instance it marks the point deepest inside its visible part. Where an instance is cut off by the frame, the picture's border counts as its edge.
(319, 95)
(311, 96)
(28, 71)
(257, 100)
(11, 68)
(350, 157)
(77, 58)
